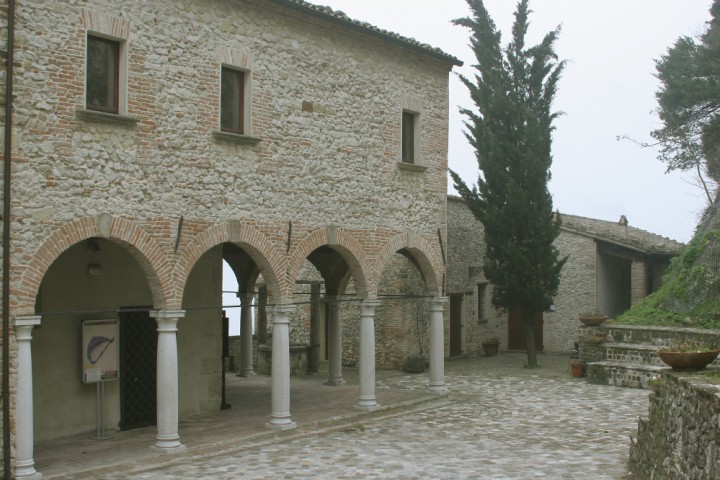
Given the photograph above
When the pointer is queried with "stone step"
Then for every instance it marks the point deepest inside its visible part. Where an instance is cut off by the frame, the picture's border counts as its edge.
(633, 375)
(634, 353)
(660, 336)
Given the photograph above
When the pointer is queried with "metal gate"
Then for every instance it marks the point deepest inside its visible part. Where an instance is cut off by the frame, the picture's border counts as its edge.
(138, 368)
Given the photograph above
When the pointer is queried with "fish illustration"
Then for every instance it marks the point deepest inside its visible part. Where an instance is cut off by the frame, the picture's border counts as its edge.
(97, 347)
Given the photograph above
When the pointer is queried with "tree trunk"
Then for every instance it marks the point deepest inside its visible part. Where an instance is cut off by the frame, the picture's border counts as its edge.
(529, 327)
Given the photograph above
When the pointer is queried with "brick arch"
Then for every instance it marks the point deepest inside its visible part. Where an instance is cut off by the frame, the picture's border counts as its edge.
(129, 235)
(267, 258)
(425, 254)
(344, 243)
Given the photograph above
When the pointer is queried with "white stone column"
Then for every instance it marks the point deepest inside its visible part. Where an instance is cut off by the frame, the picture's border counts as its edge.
(25, 464)
(367, 400)
(246, 344)
(167, 438)
(280, 368)
(334, 340)
(437, 346)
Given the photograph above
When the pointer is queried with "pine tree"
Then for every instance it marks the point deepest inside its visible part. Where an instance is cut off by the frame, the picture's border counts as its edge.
(510, 130)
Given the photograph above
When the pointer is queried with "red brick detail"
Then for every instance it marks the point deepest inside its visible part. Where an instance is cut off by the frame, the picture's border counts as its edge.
(426, 254)
(346, 245)
(139, 243)
(266, 256)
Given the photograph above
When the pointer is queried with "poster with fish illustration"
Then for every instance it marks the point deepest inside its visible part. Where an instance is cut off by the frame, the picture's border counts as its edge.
(100, 350)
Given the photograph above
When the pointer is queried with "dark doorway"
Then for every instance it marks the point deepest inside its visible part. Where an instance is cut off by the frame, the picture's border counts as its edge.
(138, 368)
(516, 334)
(456, 325)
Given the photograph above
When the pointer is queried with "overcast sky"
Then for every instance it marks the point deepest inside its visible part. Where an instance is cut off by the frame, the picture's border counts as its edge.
(607, 90)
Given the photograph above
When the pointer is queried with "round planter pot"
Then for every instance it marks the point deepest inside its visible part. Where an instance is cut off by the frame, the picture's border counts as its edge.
(593, 321)
(491, 349)
(688, 361)
(576, 371)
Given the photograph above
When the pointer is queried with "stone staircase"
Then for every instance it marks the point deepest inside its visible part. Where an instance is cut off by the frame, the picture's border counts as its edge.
(628, 355)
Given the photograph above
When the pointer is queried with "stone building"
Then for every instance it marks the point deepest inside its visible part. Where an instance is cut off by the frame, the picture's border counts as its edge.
(610, 266)
(147, 142)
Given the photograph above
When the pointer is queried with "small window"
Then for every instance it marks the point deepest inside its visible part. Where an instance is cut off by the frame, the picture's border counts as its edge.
(232, 101)
(481, 294)
(103, 75)
(409, 121)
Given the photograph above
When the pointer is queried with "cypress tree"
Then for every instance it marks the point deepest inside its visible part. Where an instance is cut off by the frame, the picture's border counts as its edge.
(510, 129)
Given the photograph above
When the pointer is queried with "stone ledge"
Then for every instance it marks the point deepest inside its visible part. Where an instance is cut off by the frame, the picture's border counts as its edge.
(235, 138)
(411, 167)
(104, 117)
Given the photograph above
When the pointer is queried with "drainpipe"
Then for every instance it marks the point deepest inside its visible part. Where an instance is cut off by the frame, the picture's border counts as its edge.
(10, 59)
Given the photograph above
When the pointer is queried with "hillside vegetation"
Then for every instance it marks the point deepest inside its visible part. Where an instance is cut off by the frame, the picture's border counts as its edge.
(690, 295)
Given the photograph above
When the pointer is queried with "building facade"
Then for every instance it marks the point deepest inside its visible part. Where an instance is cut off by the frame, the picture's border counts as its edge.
(610, 266)
(150, 141)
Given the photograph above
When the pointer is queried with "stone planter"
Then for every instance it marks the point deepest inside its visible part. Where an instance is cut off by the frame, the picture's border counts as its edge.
(688, 361)
(592, 320)
(491, 348)
(298, 360)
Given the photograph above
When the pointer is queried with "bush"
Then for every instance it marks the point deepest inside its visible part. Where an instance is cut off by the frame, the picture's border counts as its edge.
(414, 364)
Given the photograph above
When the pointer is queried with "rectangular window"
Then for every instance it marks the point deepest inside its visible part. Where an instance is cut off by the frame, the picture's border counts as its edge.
(408, 137)
(232, 101)
(103, 75)
(481, 294)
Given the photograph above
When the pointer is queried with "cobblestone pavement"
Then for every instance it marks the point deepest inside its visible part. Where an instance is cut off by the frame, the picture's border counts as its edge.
(499, 421)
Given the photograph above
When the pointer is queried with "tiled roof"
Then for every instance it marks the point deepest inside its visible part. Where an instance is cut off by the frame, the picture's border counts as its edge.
(623, 235)
(339, 16)
(616, 233)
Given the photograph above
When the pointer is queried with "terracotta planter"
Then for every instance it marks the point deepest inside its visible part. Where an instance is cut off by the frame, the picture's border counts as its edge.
(491, 349)
(688, 361)
(576, 371)
(592, 321)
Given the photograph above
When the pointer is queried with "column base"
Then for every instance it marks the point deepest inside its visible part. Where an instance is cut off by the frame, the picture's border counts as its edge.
(248, 373)
(367, 405)
(335, 382)
(438, 389)
(281, 426)
(170, 446)
(27, 472)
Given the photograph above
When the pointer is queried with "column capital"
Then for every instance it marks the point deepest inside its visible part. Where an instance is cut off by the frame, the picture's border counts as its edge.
(167, 314)
(27, 321)
(281, 313)
(438, 303)
(368, 306)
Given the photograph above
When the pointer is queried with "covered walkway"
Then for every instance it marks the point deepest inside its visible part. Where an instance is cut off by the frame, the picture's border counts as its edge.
(314, 406)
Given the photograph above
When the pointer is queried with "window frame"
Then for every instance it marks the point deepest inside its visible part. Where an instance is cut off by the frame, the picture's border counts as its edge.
(241, 108)
(115, 107)
(481, 303)
(409, 126)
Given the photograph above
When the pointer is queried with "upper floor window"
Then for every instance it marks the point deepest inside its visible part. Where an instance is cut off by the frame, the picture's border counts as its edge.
(409, 137)
(481, 301)
(102, 81)
(232, 101)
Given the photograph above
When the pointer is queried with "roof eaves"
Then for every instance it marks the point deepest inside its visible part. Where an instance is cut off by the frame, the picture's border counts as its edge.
(341, 18)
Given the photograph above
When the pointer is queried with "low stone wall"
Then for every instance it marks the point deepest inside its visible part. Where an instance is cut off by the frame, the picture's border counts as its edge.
(681, 436)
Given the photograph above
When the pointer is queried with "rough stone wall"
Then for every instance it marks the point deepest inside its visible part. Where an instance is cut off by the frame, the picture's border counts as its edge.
(466, 252)
(638, 281)
(333, 164)
(681, 436)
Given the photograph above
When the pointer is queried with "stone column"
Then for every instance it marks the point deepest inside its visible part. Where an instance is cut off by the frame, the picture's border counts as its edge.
(262, 315)
(314, 351)
(25, 464)
(367, 400)
(167, 438)
(334, 340)
(246, 343)
(437, 346)
(280, 368)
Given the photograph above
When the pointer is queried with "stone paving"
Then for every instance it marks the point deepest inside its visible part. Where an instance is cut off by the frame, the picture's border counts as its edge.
(499, 421)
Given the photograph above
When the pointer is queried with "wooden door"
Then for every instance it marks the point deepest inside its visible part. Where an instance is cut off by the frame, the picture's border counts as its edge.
(455, 325)
(516, 334)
